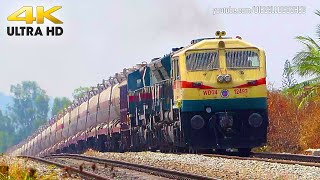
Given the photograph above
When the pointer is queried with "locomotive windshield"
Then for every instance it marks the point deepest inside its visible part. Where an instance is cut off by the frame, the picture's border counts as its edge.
(242, 59)
(202, 61)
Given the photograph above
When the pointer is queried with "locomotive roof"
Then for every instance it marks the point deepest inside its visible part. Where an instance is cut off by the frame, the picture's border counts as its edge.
(214, 42)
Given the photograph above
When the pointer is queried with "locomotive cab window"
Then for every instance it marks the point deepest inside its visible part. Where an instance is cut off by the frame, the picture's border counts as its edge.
(242, 59)
(202, 61)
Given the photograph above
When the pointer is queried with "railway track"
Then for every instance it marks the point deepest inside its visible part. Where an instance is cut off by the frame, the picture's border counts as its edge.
(69, 169)
(171, 174)
(290, 157)
(275, 158)
(165, 173)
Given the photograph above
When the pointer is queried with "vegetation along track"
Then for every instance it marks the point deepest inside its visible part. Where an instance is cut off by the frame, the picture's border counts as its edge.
(136, 167)
(275, 158)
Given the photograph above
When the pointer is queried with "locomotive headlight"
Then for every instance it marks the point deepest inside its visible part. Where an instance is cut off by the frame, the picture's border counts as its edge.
(220, 78)
(208, 109)
(255, 120)
(226, 120)
(197, 122)
(228, 78)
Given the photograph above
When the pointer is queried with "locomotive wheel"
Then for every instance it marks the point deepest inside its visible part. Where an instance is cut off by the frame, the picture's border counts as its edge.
(244, 151)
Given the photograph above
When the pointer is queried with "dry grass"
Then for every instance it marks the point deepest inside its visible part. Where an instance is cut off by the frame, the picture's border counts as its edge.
(91, 152)
(15, 171)
(23, 169)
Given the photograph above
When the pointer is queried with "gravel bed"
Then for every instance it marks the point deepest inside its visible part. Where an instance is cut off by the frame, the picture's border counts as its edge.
(216, 167)
(19, 166)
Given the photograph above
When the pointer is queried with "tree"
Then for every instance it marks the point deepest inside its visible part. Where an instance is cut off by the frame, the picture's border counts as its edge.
(287, 77)
(306, 64)
(80, 92)
(6, 132)
(30, 108)
(59, 104)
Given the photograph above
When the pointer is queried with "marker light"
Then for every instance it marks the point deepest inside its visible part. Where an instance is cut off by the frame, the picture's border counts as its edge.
(208, 110)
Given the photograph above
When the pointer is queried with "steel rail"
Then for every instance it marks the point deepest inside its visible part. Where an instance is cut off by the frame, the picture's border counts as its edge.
(274, 158)
(172, 174)
(72, 169)
(285, 156)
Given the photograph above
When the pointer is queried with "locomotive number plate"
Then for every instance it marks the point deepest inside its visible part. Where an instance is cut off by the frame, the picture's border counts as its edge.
(209, 92)
(240, 91)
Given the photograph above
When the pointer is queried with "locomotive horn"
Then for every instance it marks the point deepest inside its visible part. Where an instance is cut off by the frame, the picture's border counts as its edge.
(220, 34)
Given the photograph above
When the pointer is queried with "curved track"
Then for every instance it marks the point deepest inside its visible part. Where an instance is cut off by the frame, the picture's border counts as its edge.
(136, 167)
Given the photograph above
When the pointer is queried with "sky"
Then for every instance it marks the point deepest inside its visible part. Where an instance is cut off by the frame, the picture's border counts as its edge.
(102, 37)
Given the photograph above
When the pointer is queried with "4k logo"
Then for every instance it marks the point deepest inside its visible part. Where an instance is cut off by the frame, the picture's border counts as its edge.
(41, 14)
(26, 14)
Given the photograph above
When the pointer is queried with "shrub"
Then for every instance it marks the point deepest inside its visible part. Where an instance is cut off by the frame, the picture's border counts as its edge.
(284, 126)
(292, 129)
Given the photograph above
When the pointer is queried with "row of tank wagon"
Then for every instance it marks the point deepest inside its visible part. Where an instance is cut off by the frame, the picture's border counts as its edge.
(100, 120)
(85, 119)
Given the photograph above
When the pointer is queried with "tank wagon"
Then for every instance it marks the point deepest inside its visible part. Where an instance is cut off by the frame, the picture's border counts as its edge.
(210, 94)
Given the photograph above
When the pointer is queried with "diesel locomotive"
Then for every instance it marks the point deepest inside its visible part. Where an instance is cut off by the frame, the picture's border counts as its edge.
(210, 94)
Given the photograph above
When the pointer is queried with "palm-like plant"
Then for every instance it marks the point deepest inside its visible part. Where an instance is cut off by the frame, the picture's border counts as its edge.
(306, 63)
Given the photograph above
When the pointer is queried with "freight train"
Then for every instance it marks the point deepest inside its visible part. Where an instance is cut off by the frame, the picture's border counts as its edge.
(210, 94)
